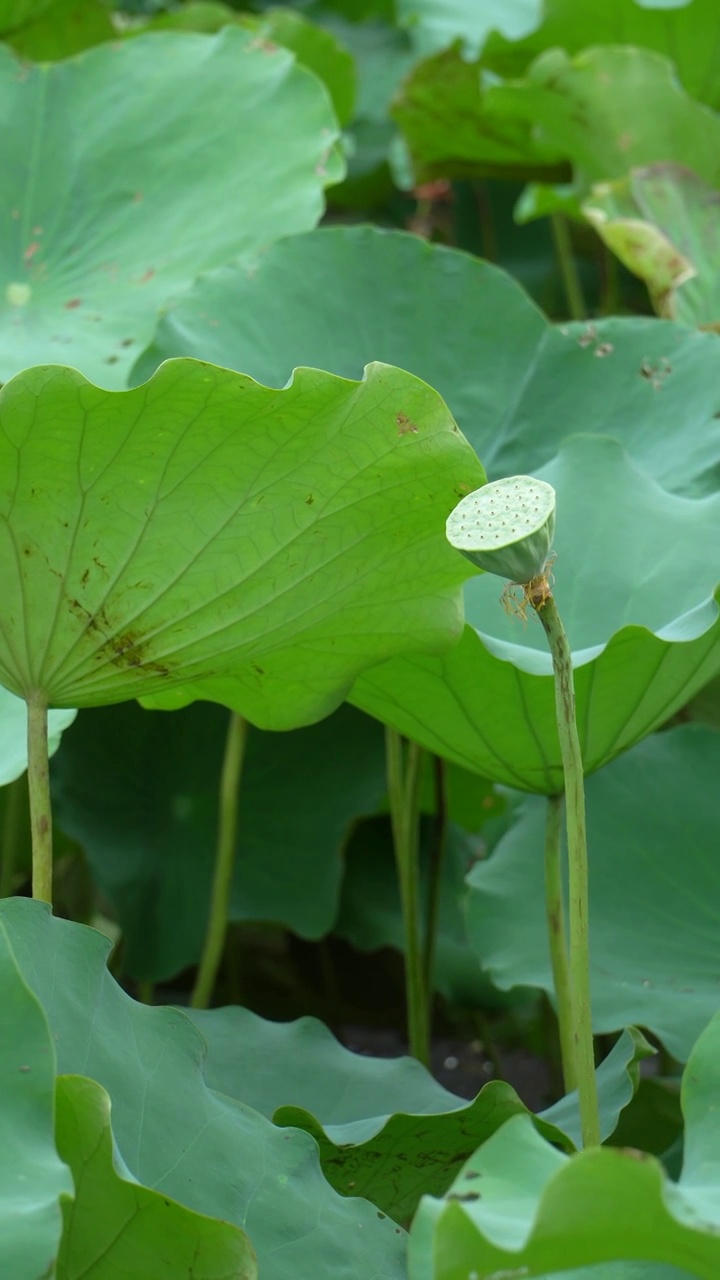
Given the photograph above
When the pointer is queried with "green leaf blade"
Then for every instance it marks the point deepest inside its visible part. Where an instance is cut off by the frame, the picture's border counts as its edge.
(117, 1227)
(84, 269)
(33, 1177)
(203, 529)
(178, 1136)
(522, 1207)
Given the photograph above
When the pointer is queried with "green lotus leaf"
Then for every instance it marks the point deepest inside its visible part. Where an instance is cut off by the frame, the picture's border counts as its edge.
(653, 917)
(685, 33)
(33, 1178)
(635, 576)
(315, 48)
(16, 13)
(632, 379)
(118, 1227)
(104, 228)
(385, 1129)
(435, 23)
(254, 556)
(180, 1137)
(591, 109)
(441, 109)
(586, 107)
(663, 224)
(206, 17)
(521, 1207)
(62, 28)
(140, 796)
(13, 735)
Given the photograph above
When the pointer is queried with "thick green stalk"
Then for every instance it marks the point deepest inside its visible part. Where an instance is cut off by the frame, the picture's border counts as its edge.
(555, 915)
(579, 949)
(39, 791)
(568, 267)
(403, 777)
(224, 862)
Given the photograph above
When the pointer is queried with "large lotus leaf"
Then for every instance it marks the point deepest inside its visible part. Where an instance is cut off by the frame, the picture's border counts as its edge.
(635, 576)
(314, 48)
(116, 1227)
(591, 109)
(686, 33)
(61, 29)
(112, 202)
(633, 379)
(202, 525)
(385, 1129)
(15, 13)
(663, 222)
(33, 1178)
(521, 1207)
(435, 23)
(441, 109)
(652, 837)
(13, 735)
(178, 1136)
(140, 795)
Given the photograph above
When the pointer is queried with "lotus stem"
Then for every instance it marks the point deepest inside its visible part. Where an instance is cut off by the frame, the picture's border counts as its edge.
(403, 776)
(541, 598)
(39, 793)
(557, 937)
(568, 267)
(224, 862)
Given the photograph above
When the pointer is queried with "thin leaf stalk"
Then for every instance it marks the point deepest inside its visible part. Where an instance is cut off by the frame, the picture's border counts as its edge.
(579, 937)
(557, 937)
(228, 807)
(403, 777)
(38, 773)
(568, 267)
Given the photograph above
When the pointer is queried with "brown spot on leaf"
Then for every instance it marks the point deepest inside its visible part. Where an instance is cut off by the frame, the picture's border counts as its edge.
(74, 302)
(405, 426)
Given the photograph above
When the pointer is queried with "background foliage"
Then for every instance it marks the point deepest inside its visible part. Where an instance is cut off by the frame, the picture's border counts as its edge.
(353, 227)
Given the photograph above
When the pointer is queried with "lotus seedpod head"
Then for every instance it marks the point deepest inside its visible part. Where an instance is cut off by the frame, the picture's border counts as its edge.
(506, 527)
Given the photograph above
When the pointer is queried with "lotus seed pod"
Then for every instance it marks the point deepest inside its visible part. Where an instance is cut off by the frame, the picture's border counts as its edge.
(506, 527)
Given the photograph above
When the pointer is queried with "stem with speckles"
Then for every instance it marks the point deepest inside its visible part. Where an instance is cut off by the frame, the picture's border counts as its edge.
(39, 792)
